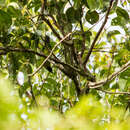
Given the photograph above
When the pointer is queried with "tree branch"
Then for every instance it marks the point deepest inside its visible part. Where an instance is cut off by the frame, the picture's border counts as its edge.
(52, 28)
(98, 34)
(49, 55)
(55, 32)
(104, 51)
(44, 2)
(83, 36)
(6, 50)
(59, 64)
(109, 92)
(101, 83)
(54, 21)
(10, 49)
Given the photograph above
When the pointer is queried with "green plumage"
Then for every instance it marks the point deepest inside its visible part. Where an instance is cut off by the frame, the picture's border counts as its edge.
(46, 51)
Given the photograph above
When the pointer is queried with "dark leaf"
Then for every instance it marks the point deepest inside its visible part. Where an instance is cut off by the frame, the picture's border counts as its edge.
(5, 19)
(92, 17)
(71, 13)
(13, 12)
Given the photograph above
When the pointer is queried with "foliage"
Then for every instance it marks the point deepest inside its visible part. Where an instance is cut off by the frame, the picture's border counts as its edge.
(58, 51)
(87, 114)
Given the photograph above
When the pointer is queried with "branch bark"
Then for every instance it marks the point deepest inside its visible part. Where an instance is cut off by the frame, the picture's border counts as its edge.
(6, 50)
(98, 34)
(52, 28)
(49, 55)
(109, 92)
(101, 83)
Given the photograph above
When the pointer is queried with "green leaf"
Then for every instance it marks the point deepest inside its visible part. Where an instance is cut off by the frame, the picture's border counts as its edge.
(78, 44)
(23, 88)
(92, 17)
(78, 14)
(84, 2)
(93, 4)
(101, 3)
(127, 84)
(5, 19)
(23, 2)
(60, 6)
(115, 32)
(51, 81)
(100, 45)
(112, 33)
(122, 83)
(127, 44)
(88, 34)
(52, 7)
(53, 102)
(13, 12)
(2, 2)
(122, 13)
(103, 72)
(13, 0)
(115, 86)
(77, 3)
(119, 58)
(70, 13)
(125, 74)
(118, 21)
(73, 15)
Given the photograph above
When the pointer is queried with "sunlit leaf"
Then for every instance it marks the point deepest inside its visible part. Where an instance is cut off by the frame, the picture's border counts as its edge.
(122, 13)
(93, 4)
(111, 34)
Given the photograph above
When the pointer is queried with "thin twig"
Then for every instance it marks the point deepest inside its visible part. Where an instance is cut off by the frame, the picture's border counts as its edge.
(43, 81)
(98, 34)
(32, 93)
(84, 39)
(109, 92)
(51, 60)
(44, 2)
(52, 28)
(49, 55)
(55, 32)
(70, 3)
(110, 65)
(36, 31)
(54, 21)
(104, 51)
(111, 77)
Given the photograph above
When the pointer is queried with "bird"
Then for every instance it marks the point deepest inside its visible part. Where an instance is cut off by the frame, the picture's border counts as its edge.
(46, 49)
